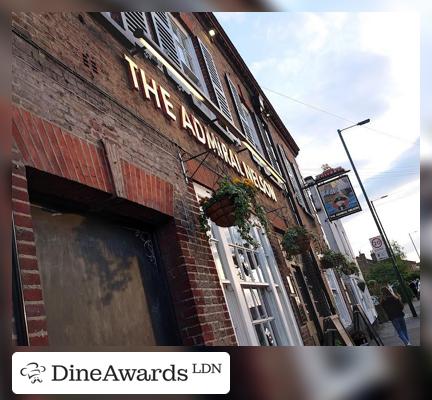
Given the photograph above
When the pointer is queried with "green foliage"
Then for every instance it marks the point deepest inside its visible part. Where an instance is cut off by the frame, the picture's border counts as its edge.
(296, 240)
(243, 194)
(340, 262)
(383, 272)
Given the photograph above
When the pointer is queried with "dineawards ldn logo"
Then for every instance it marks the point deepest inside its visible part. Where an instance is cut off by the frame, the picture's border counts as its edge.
(33, 371)
(121, 372)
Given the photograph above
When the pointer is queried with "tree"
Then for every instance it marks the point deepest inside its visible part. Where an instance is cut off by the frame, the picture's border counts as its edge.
(398, 250)
(383, 272)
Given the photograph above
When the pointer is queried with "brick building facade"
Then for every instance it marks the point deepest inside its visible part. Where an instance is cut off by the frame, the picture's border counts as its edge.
(113, 147)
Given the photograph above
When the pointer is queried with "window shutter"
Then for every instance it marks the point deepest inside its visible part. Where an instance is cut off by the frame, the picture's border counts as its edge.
(127, 22)
(289, 176)
(164, 33)
(240, 111)
(133, 20)
(215, 80)
(306, 198)
(268, 144)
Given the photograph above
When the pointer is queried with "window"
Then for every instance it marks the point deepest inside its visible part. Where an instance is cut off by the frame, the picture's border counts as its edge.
(257, 302)
(245, 117)
(271, 156)
(289, 172)
(170, 36)
(341, 306)
(177, 45)
(304, 192)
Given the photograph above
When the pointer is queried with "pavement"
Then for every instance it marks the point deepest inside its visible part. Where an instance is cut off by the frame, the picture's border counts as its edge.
(389, 335)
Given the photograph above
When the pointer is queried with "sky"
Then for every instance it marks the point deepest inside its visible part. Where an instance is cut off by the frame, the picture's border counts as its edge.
(324, 70)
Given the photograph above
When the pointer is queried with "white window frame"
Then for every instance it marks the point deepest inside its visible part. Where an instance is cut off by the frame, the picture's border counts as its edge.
(286, 332)
(339, 298)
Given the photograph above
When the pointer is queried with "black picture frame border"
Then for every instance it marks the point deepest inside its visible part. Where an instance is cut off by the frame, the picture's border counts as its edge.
(349, 211)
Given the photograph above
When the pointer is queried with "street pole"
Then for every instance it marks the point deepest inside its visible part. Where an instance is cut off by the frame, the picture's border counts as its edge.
(377, 223)
(415, 248)
(381, 225)
(385, 238)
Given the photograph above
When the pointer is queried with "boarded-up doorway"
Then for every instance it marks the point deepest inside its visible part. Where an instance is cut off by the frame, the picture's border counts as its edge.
(101, 282)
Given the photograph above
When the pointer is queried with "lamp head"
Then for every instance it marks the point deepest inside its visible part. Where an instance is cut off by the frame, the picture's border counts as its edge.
(363, 122)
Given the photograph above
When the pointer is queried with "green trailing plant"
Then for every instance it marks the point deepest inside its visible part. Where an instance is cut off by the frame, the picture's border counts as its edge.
(243, 203)
(296, 240)
(349, 269)
(338, 261)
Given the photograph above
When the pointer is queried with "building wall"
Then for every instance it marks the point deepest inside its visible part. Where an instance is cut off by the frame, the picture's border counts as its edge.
(76, 118)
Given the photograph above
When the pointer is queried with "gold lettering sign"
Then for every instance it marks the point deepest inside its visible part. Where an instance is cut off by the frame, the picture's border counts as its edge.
(153, 91)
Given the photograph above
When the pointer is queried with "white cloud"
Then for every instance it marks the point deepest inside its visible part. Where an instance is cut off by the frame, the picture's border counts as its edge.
(356, 65)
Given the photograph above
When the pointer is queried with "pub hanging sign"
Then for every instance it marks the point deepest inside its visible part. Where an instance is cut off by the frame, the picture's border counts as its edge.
(338, 197)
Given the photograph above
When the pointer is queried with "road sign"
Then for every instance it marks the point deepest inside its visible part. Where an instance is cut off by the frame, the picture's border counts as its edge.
(378, 247)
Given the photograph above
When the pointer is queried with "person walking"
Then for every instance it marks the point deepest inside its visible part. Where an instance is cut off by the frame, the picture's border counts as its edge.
(393, 307)
(413, 287)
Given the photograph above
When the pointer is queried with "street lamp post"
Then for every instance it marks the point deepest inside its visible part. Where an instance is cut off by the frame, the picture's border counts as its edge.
(379, 220)
(415, 247)
(376, 220)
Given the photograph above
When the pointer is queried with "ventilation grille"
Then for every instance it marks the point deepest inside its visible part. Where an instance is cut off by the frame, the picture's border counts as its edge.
(90, 63)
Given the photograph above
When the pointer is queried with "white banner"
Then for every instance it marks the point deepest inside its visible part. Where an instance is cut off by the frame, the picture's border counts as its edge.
(120, 373)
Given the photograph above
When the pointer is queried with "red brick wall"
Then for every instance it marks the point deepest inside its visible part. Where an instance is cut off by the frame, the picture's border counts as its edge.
(32, 290)
(199, 302)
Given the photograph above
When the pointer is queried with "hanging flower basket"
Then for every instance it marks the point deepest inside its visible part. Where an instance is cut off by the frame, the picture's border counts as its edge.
(296, 241)
(233, 204)
(331, 259)
(222, 213)
(338, 261)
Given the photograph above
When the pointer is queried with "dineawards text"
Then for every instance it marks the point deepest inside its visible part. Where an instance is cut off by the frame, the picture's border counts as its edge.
(112, 374)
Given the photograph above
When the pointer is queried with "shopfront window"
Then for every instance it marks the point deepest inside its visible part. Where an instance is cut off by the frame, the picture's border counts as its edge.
(258, 304)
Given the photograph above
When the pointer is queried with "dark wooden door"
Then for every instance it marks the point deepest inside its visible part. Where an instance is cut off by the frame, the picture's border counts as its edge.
(102, 284)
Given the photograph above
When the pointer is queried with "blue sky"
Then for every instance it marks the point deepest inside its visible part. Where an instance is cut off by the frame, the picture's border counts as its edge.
(351, 66)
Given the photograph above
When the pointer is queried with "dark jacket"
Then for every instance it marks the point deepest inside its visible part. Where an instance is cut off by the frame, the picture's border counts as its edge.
(393, 307)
